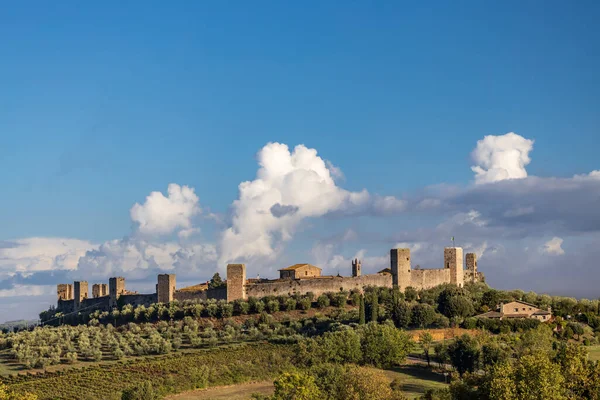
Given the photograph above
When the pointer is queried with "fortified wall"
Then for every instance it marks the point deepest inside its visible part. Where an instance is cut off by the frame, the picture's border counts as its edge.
(400, 274)
(297, 279)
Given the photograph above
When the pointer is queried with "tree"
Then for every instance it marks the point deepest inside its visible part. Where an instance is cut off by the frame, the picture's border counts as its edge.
(422, 315)
(425, 341)
(216, 282)
(410, 294)
(373, 307)
(360, 383)
(464, 354)
(536, 377)
(361, 311)
(383, 345)
(296, 386)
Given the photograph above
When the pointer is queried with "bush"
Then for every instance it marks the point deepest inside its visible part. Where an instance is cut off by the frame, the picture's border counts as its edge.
(144, 391)
(323, 301)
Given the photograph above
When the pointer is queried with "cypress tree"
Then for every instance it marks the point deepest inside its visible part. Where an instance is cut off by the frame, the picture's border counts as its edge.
(374, 306)
(361, 311)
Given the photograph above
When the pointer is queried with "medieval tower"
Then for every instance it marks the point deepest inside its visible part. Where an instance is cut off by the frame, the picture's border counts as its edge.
(116, 287)
(80, 289)
(453, 260)
(356, 267)
(165, 288)
(400, 266)
(236, 282)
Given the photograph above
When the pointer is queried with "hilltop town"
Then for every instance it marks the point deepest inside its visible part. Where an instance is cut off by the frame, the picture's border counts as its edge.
(298, 279)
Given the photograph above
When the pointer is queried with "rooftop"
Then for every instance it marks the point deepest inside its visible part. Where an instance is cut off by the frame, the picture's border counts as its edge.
(296, 266)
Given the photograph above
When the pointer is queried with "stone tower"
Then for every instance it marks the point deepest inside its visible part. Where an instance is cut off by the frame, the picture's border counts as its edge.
(471, 261)
(64, 291)
(236, 281)
(116, 287)
(99, 290)
(400, 266)
(453, 260)
(165, 288)
(80, 289)
(356, 267)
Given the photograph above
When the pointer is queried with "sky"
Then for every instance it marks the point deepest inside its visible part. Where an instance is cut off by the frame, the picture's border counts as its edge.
(145, 137)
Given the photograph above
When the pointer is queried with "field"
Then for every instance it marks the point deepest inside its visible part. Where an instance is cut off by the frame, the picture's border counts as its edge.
(415, 381)
(594, 352)
(175, 373)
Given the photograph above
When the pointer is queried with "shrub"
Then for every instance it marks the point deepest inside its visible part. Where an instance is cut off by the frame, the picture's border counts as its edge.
(323, 301)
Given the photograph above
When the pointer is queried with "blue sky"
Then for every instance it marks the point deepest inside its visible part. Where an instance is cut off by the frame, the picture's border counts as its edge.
(102, 104)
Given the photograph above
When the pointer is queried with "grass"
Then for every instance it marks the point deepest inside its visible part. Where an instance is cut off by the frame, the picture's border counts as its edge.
(415, 381)
(594, 352)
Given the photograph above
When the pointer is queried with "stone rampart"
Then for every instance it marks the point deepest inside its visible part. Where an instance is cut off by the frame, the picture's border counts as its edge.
(428, 278)
(318, 286)
(217, 294)
(138, 299)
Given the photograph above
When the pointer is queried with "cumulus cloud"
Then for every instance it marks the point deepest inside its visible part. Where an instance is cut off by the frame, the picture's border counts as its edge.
(553, 247)
(290, 186)
(161, 214)
(501, 157)
(30, 255)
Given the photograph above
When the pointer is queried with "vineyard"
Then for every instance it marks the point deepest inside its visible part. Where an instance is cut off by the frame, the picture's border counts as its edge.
(172, 373)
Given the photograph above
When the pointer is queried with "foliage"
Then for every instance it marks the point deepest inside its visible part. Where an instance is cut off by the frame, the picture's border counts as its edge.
(296, 386)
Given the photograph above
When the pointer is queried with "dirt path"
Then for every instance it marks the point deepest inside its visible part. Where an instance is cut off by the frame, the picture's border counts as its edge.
(233, 392)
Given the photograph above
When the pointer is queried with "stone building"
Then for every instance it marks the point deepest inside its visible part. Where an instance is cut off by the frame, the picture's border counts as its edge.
(518, 309)
(299, 271)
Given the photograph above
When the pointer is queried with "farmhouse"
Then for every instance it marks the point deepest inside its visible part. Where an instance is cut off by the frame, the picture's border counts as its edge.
(518, 309)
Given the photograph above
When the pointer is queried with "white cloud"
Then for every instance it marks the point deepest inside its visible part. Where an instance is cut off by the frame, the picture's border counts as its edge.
(136, 258)
(592, 175)
(414, 247)
(28, 290)
(289, 187)
(162, 215)
(553, 247)
(501, 157)
(29, 255)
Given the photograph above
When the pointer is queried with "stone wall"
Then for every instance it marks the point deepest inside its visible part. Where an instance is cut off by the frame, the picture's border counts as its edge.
(428, 278)
(317, 286)
(137, 299)
(217, 294)
(97, 303)
(65, 306)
